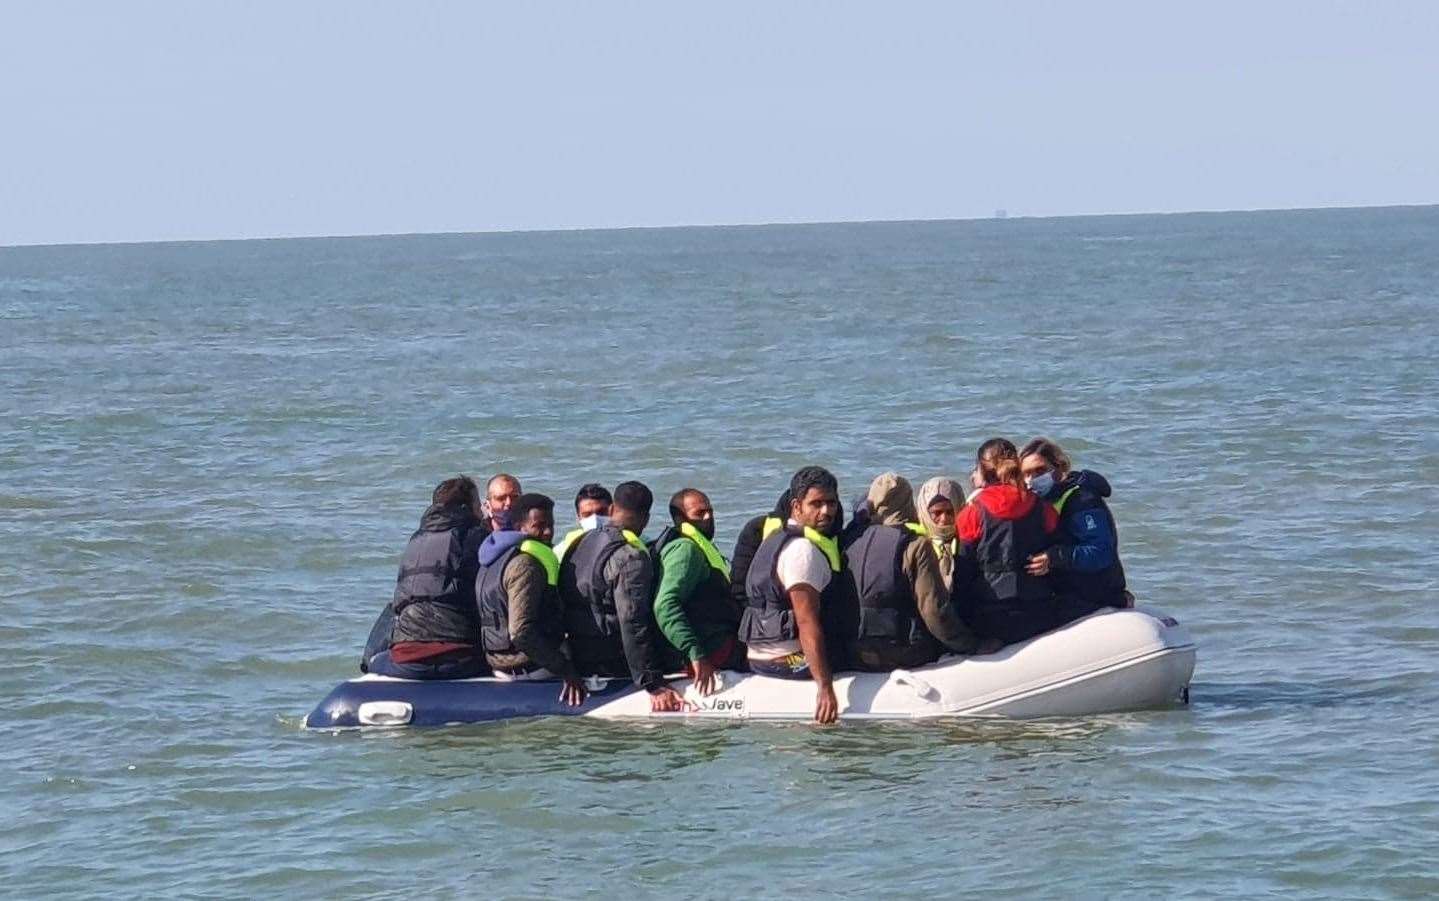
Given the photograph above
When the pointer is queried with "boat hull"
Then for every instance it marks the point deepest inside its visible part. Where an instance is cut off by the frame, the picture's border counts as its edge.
(1112, 661)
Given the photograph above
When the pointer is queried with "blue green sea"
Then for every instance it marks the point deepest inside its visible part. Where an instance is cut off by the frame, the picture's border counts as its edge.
(212, 455)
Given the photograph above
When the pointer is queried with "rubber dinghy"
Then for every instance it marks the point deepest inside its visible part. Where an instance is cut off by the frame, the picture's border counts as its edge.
(1112, 661)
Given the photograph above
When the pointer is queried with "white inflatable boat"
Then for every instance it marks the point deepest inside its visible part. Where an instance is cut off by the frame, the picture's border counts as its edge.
(1115, 660)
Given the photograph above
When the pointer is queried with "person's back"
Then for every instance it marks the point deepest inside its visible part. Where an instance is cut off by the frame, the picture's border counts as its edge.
(1000, 531)
(607, 583)
(434, 632)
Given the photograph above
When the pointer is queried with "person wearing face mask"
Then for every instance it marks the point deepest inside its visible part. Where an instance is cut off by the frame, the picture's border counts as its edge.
(1085, 565)
(1005, 526)
(693, 607)
(501, 492)
(592, 510)
(607, 583)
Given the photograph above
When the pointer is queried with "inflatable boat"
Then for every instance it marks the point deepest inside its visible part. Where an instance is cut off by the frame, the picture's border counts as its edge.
(1114, 660)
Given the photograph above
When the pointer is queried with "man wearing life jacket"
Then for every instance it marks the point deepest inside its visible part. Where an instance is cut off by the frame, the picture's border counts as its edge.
(592, 510)
(903, 611)
(783, 619)
(693, 607)
(517, 591)
(607, 583)
(1006, 524)
(1085, 564)
(750, 535)
(501, 492)
(434, 632)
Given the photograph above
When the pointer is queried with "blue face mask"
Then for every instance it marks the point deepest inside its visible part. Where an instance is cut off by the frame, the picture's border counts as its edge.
(1042, 484)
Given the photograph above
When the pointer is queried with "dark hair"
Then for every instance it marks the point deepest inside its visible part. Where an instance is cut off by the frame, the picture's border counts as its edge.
(528, 502)
(1052, 453)
(990, 454)
(677, 500)
(461, 490)
(997, 448)
(634, 497)
(592, 491)
(812, 477)
(781, 506)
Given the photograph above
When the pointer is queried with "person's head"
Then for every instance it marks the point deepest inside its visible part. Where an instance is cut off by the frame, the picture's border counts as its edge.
(814, 498)
(631, 507)
(592, 499)
(1044, 465)
(988, 457)
(534, 515)
(461, 491)
(938, 502)
(501, 492)
(690, 505)
(890, 499)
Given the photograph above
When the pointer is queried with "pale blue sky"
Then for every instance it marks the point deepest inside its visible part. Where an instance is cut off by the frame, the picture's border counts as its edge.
(142, 121)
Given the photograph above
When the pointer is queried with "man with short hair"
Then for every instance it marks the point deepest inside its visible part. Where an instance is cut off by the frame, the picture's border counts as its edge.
(792, 570)
(607, 585)
(592, 510)
(692, 604)
(501, 492)
(517, 591)
(433, 631)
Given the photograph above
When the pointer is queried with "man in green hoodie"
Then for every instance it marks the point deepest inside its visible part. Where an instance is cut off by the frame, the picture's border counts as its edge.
(693, 607)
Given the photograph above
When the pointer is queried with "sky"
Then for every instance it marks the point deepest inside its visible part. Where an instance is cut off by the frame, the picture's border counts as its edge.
(191, 120)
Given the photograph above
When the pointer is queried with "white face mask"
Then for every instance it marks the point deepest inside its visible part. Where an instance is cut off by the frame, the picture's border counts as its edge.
(593, 521)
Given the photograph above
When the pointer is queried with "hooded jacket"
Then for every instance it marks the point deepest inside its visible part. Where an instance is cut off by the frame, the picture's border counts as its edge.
(916, 584)
(999, 531)
(521, 620)
(1086, 561)
(434, 599)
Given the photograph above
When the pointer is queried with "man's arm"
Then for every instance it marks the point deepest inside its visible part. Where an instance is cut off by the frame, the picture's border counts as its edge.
(684, 569)
(528, 592)
(806, 604)
(921, 568)
(631, 577)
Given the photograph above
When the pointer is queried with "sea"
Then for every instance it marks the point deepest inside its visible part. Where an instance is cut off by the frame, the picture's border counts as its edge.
(212, 455)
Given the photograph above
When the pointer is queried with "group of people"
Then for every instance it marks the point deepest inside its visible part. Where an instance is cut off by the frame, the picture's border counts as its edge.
(484, 587)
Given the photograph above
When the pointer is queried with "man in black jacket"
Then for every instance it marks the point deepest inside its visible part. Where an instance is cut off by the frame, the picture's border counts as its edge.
(430, 630)
(607, 583)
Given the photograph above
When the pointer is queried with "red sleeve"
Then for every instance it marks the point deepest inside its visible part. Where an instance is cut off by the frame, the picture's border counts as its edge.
(1051, 518)
(970, 525)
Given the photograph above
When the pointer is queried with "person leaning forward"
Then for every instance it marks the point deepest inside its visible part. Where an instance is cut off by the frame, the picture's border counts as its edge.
(607, 584)
(693, 608)
(793, 569)
(521, 619)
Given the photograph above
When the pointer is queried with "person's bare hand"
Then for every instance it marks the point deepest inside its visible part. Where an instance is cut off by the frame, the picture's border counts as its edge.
(666, 700)
(1038, 565)
(826, 705)
(573, 692)
(704, 679)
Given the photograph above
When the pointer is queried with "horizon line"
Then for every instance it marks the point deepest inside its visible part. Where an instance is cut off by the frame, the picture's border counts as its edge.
(561, 229)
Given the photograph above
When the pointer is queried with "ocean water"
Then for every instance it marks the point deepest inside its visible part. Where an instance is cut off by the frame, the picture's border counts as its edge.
(212, 454)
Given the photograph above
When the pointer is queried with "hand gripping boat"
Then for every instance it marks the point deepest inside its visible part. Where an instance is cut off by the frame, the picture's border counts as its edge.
(1110, 661)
